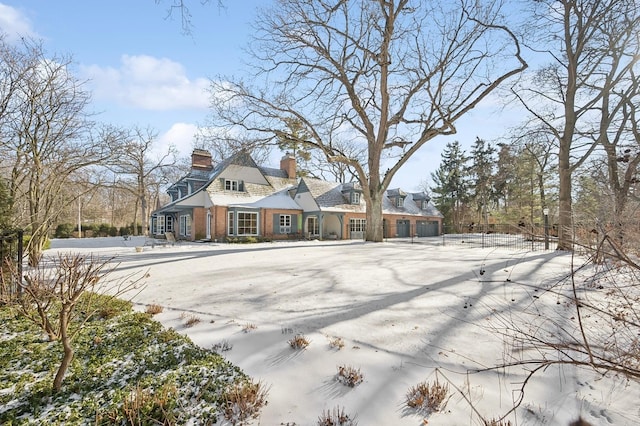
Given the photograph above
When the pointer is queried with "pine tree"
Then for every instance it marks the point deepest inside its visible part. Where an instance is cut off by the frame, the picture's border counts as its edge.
(450, 190)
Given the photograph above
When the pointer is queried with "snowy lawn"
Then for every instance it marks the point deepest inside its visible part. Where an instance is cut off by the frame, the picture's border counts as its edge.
(401, 314)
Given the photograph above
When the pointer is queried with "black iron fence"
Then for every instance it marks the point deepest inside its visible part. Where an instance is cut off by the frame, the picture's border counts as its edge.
(11, 251)
(517, 237)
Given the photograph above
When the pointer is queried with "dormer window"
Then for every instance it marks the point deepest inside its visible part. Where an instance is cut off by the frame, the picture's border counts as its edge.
(399, 202)
(355, 197)
(425, 204)
(231, 185)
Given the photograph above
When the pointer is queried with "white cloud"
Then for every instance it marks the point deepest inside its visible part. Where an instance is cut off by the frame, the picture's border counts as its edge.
(148, 83)
(13, 24)
(181, 136)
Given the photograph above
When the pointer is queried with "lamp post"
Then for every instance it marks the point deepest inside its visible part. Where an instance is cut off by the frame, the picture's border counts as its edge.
(545, 211)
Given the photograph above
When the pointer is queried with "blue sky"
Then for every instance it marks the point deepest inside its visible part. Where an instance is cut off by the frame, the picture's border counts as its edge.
(144, 71)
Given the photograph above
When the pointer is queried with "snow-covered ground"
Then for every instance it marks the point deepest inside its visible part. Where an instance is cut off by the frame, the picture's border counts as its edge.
(407, 313)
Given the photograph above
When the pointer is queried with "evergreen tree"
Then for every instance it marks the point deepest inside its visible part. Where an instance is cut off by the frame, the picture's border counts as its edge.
(482, 177)
(450, 190)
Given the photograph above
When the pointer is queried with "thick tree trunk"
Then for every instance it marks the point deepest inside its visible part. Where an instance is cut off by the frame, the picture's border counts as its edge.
(374, 231)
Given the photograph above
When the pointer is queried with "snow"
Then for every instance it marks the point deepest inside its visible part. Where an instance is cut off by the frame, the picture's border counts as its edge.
(407, 313)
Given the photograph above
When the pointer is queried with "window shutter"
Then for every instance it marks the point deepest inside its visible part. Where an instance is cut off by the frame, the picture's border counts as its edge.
(241, 185)
(276, 223)
(294, 223)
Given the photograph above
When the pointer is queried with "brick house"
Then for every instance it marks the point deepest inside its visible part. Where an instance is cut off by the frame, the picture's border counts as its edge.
(238, 198)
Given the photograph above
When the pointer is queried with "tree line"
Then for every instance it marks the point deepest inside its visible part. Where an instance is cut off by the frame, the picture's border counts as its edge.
(362, 86)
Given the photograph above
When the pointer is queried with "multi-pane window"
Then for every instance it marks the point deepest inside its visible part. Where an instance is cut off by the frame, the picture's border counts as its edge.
(355, 198)
(357, 225)
(247, 223)
(231, 223)
(185, 225)
(425, 204)
(231, 185)
(159, 225)
(169, 223)
(399, 202)
(313, 225)
(285, 223)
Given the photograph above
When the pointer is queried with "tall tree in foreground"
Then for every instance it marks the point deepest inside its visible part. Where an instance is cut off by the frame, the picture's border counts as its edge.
(586, 63)
(371, 72)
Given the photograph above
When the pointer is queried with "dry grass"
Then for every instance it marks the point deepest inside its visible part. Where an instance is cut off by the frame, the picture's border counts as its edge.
(428, 397)
(494, 422)
(191, 321)
(244, 400)
(349, 376)
(154, 309)
(336, 417)
(222, 346)
(336, 343)
(299, 342)
(248, 327)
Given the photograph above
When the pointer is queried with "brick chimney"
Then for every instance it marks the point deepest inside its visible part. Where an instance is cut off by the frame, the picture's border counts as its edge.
(288, 164)
(201, 160)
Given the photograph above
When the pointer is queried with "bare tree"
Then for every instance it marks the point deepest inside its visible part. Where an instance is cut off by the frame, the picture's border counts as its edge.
(372, 73)
(47, 138)
(138, 171)
(62, 297)
(587, 62)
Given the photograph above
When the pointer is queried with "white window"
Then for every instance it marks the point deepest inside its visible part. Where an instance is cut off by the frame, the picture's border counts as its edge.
(313, 226)
(399, 202)
(357, 225)
(425, 204)
(247, 223)
(169, 223)
(355, 197)
(159, 225)
(231, 185)
(231, 223)
(285, 223)
(185, 225)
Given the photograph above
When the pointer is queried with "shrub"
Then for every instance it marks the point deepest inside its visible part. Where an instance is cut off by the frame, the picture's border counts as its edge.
(427, 397)
(337, 417)
(299, 342)
(350, 376)
(494, 422)
(191, 321)
(222, 346)
(154, 309)
(243, 400)
(63, 230)
(336, 343)
(248, 327)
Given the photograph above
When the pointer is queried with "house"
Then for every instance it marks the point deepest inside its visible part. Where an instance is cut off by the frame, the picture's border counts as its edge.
(238, 198)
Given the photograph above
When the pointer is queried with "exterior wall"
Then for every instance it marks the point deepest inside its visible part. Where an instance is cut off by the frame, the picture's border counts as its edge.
(198, 223)
(218, 222)
(391, 224)
(267, 223)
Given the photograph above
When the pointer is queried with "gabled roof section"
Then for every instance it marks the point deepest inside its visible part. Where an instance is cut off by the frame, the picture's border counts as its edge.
(330, 196)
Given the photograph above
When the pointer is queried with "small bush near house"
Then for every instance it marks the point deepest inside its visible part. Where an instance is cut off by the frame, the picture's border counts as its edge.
(349, 376)
(428, 397)
(299, 342)
(336, 417)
